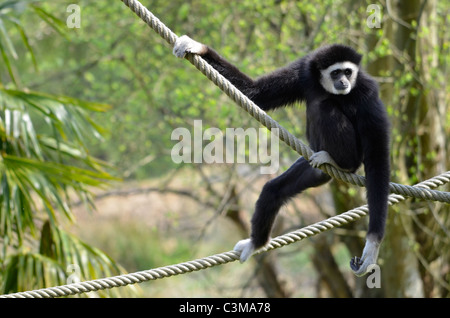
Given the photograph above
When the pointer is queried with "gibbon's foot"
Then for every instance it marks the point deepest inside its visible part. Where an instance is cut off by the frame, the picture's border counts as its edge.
(185, 44)
(360, 266)
(246, 248)
(321, 157)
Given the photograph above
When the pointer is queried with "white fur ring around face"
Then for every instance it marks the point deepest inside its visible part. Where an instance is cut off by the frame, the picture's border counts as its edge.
(246, 248)
(185, 44)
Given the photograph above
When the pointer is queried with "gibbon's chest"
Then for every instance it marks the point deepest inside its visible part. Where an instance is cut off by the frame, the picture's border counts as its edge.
(331, 108)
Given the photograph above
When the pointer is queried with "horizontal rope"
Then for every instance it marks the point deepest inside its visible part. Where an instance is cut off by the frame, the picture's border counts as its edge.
(217, 259)
(244, 102)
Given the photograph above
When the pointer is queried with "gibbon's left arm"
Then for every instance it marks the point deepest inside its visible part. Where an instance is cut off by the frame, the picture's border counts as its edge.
(374, 129)
(280, 88)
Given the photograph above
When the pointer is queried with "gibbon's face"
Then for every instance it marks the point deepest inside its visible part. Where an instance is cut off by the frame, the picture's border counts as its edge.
(339, 78)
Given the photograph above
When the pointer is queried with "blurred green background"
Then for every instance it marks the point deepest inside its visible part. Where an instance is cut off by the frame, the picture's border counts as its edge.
(87, 179)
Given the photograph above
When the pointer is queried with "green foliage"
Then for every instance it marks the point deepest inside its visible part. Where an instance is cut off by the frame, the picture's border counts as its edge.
(58, 255)
(136, 247)
(49, 142)
(44, 162)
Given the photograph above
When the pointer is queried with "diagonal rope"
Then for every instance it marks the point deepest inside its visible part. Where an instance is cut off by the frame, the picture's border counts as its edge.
(244, 102)
(217, 259)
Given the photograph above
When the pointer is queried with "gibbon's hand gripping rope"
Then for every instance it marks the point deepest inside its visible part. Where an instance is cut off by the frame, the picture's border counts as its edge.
(244, 102)
(231, 256)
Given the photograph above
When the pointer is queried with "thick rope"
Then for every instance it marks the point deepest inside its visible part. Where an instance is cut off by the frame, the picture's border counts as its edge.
(218, 259)
(244, 102)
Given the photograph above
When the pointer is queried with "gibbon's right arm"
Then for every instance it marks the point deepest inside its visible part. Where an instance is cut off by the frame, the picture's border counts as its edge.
(279, 88)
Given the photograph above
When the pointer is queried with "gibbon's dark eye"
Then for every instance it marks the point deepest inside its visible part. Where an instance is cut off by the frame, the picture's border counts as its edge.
(348, 71)
(335, 72)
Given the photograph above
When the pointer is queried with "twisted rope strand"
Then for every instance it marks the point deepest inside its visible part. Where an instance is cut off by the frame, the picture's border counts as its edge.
(217, 259)
(244, 102)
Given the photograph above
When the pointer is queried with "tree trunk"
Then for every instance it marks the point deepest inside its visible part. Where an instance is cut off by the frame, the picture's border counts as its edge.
(414, 237)
(431, 154)
(328, 270)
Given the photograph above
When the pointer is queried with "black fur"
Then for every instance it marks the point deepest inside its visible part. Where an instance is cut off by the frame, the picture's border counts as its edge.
(330, 54)
(352, 128)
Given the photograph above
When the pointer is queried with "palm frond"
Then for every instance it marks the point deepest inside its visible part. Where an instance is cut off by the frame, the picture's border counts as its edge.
(44, 161)
(62, 258)
(43, 157)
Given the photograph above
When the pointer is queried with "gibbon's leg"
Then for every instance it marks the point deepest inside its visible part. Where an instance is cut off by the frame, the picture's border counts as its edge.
(274, 194)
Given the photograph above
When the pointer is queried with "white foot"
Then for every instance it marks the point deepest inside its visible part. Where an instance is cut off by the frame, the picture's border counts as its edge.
(321, 157)
(185, 44)
(360, 266)
(246, 248)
